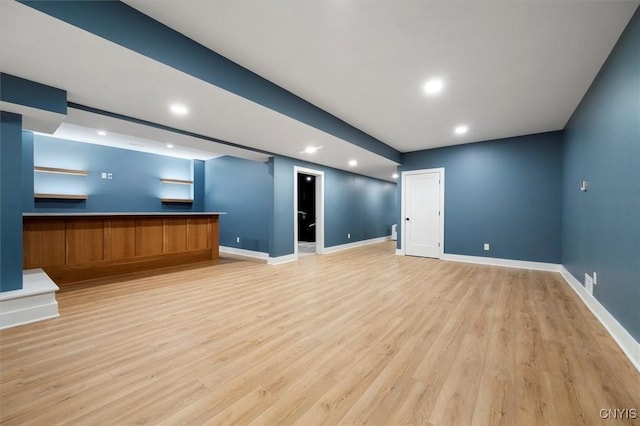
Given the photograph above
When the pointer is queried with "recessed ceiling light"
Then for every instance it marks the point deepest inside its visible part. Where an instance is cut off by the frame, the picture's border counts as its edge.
(311, 150)
(461, 130)
(308, 178)
(433, 86)
(353, 163)
(169, 146)
(102, 133)
(395, 176)
(178, 109)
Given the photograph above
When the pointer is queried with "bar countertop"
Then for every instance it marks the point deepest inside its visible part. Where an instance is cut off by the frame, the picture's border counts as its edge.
(90, 214)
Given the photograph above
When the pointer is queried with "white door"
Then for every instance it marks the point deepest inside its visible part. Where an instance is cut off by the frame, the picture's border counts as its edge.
(422, 213)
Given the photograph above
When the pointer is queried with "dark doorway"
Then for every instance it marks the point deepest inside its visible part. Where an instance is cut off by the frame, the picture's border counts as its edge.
(306, 208)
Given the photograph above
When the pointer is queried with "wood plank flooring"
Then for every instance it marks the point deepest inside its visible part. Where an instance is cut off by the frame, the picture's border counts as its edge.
(360, 336)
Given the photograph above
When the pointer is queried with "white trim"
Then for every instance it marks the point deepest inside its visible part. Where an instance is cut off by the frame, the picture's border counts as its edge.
(319, 207)
(495, 261)
(403, 238)
(282, 259)
(36, 301)
(507, 263)
(627, 343)
(355, 244)
(245, 253)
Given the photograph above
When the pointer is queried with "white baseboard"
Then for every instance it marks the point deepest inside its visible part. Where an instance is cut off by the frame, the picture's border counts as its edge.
(348, 246)
(293, 257)
(627, 343)
(36, 301)
(244, 253)
(399, 252)
(508, 263)
(282, 259)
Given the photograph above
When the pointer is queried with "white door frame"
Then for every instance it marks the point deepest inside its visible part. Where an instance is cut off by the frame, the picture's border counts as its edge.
(402, 207)
(319, 207)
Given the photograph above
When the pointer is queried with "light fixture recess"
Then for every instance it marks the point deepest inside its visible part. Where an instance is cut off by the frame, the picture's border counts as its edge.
(461, 130)
(170, 146)
(310, 149)
(395, 176)
(353, 163)
(433, 86)
(178, 109)
(102, 132)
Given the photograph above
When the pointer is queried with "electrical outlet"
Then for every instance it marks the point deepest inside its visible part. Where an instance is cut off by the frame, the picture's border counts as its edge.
(237, 239)
(486, 246)
(109, 175)
(349, 236)
(588, 283)
(104, 175)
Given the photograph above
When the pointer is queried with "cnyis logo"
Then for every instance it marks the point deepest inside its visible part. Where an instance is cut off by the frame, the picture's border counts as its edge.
(619, 413)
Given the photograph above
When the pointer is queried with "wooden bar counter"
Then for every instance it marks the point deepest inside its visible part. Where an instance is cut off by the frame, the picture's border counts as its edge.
(73, 247)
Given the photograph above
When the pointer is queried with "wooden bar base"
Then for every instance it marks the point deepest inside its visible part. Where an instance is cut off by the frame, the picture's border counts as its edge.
(77, 248)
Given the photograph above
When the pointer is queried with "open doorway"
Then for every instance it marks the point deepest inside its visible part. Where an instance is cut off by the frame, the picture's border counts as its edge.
(306, 214)
(308, 208)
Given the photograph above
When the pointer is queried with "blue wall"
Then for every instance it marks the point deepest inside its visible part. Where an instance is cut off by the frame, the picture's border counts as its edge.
(198, 185)
(358, 205)
(19, 91)
(354, 204)
(282, 232)
(10, 201)
(506, 192)
(135, 185)
(601, 227)
(27, 171)
(259, 200)
(16, 162)
(244, 190)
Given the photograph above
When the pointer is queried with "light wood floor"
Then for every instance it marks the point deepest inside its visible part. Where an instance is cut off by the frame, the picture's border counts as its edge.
(361, 336)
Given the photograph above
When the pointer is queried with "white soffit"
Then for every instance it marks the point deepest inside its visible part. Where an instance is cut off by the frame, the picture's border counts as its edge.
(103, 75)
(510, 67)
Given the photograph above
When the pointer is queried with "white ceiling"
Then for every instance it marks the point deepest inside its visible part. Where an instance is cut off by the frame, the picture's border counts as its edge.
(510, 68)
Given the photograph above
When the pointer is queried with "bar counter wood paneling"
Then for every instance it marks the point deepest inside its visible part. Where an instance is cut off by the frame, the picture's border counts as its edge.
(77, 247)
